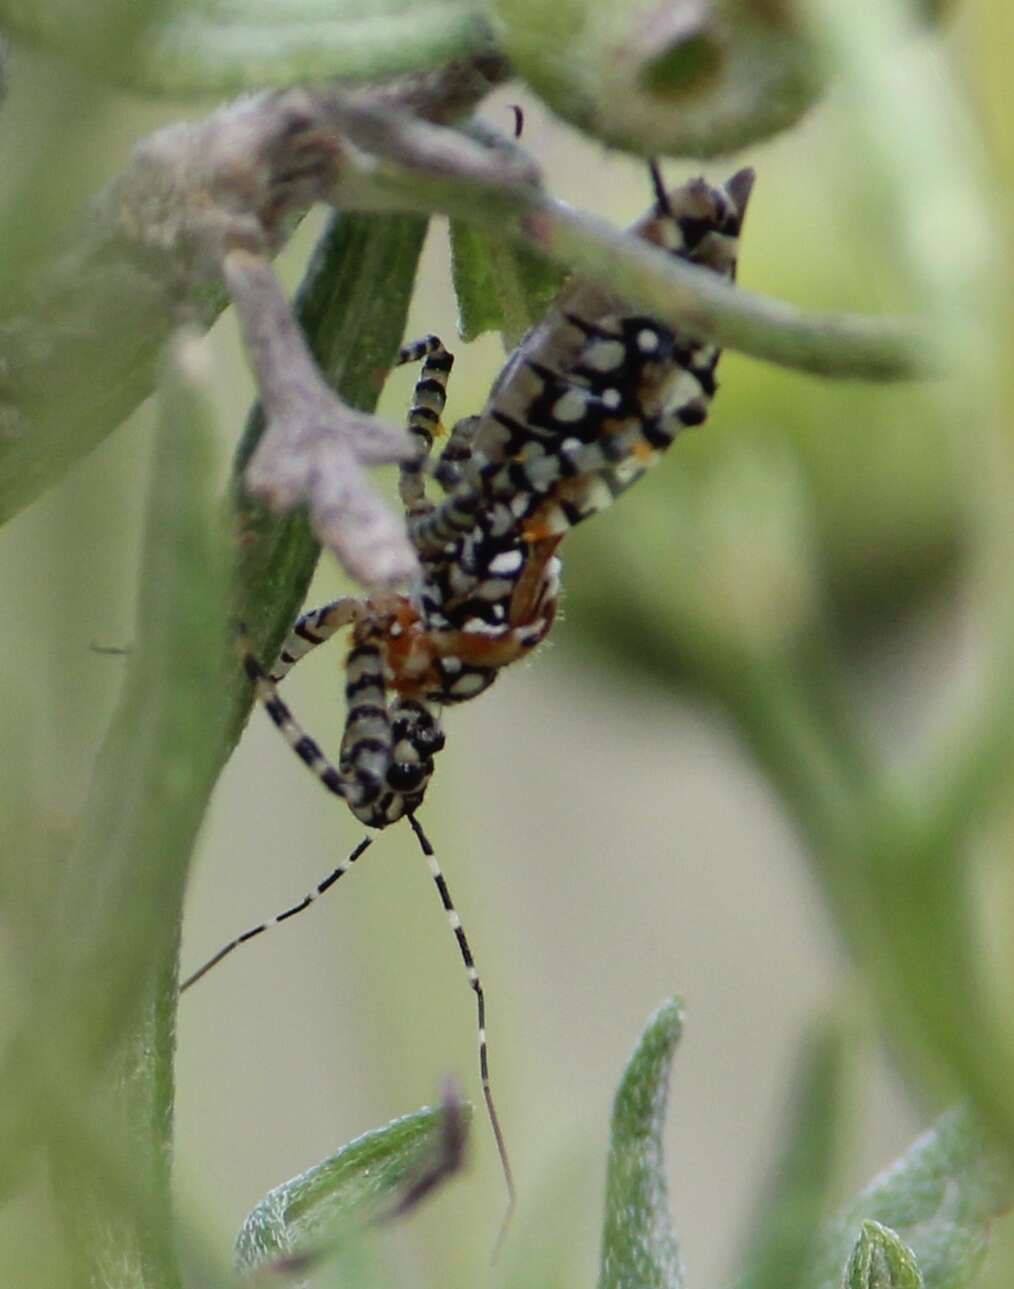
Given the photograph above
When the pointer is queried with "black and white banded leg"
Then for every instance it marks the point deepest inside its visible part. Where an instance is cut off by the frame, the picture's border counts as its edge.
(446, 524)
(480, 1002)
(357, 788)
(451, 466)
(367, 744)
(313, 629)
(428, 400)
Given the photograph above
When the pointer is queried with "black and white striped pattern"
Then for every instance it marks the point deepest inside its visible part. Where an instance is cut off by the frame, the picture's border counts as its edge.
(284, 916)
(302, 744)
(590, 399)
(386, 759)
(367, 744)
(314, 629)
(428, 400)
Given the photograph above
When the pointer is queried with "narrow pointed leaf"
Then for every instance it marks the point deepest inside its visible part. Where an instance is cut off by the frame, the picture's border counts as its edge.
(799, 1195)
(880, 1260)
(939, 1198)
(639, 1248)
(501, 286)
(363, 1178)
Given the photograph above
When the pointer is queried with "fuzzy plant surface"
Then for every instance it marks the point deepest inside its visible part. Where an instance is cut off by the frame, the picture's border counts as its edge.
(779, 587)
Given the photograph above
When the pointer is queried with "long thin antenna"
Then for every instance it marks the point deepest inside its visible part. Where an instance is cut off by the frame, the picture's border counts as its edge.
(284, 916)
(662, 203)
(480, 1002)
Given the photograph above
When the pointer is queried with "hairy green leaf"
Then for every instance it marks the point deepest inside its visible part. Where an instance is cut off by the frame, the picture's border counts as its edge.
(340, 1192)
(639, 1247)
(501, 286)
(939, 1198)
(880, 1260)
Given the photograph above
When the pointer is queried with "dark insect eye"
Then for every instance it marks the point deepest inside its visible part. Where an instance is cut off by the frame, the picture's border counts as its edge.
(402, 777)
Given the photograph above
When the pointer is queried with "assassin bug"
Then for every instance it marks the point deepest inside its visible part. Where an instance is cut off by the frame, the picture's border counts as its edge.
(584, 406)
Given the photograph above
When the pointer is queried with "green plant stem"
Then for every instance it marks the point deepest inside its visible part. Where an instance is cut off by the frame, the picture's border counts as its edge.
(897, 884)
(920, 146)
(113, 975)
(113, 970)
(850, 346)
(895, 879)
(811, 1149)
(918, 938)
(200, 56)
(213, 48)
(92, 1144)
(81, 334)
(914, 913)
(964, 780)
(967, 776)
(835, 345)
(48, 433)
(785, 723)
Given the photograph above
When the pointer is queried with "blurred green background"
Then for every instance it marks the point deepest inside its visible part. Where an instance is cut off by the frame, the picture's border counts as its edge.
(606, 838)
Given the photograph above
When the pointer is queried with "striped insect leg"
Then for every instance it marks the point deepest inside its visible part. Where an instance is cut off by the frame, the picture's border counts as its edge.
(313, 629)
(448, 523)
(284, 916)
(480, 1002)
(349, 788)
(450, 468)
(428, 399)
(367, 742)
